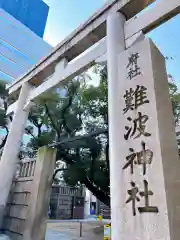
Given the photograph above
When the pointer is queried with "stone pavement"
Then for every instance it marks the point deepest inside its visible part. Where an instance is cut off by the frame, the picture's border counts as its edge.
(54, 235)
(71, 231)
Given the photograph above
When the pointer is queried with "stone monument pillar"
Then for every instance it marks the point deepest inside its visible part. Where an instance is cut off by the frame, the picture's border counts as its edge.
(149, 161)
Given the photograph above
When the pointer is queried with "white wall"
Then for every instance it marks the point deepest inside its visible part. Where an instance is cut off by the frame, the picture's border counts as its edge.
(20, 48)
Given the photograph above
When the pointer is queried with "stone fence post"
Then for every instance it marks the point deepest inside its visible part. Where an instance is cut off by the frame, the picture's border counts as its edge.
(35, 227)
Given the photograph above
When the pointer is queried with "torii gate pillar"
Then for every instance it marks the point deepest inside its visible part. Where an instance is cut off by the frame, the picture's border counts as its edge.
(9, 157)
(115, 45)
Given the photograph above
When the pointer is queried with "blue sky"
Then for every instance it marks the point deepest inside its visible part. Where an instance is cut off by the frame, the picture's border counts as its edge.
(66, 15)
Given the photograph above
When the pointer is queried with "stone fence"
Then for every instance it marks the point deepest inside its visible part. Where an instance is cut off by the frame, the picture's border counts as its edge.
(27, 206)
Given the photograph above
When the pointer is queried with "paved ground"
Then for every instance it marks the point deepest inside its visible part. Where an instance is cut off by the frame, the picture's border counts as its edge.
(54, 235)
(71, 231)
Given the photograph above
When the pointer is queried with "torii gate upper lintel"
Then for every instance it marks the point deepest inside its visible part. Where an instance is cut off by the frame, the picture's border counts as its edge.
(121, 32)
(86, 35)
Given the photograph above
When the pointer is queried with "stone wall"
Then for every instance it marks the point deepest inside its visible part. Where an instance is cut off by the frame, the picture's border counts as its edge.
(16, 210)
(27, 206)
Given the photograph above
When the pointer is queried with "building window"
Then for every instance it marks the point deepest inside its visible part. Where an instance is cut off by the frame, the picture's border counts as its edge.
(16, 51)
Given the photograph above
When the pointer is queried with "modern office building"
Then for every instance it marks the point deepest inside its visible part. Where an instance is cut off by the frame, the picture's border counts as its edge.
(32, 13)
(20, 48)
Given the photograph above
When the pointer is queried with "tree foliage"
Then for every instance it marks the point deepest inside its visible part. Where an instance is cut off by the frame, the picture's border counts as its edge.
(4, 120)
(175, 99)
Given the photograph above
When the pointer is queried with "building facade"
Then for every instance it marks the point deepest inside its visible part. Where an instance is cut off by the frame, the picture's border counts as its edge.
(20, 48)
(32, 13)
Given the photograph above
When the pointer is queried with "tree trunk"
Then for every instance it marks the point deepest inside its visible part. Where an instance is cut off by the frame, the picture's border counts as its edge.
(102, 196)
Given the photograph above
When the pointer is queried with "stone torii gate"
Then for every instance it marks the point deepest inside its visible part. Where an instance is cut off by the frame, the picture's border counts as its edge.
(111, 30)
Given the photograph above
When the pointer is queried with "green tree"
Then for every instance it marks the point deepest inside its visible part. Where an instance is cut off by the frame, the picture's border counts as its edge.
(175, 99)
(78, 133)
(4, 120)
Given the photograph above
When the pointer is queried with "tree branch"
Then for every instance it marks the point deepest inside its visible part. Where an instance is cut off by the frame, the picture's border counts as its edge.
(101, 195)
(51, 119)
(5, 139)
(5, 108)
(29, 132)
(107, 154)
(39, 129)
(63, 114)
(67, 140)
